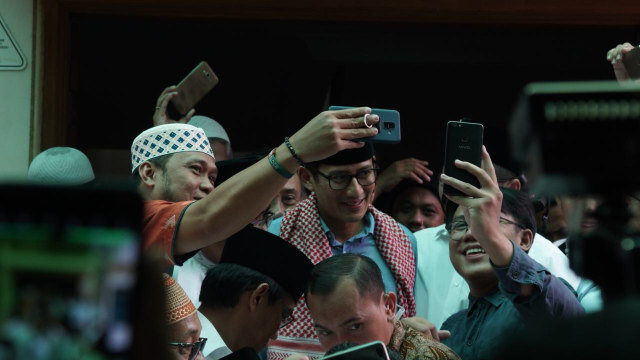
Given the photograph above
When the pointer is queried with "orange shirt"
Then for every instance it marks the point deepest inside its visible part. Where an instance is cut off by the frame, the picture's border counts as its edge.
(160, 223)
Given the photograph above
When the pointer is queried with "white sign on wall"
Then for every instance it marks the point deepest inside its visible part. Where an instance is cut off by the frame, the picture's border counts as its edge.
(11, 57)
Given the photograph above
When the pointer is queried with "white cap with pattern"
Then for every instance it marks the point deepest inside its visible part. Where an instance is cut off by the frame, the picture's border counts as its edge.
(60, 166)
(168, 139)
(212, 128)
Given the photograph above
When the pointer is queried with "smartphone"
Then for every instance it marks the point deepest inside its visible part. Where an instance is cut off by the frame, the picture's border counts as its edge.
(463, 142)
(388, 126)
(194, 87)
(631, 62)
(375, 350)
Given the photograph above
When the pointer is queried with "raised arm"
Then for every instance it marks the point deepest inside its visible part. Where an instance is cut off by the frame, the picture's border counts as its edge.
(240, 199)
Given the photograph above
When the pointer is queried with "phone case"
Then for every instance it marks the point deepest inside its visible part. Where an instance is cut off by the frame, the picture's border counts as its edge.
(463, 142)
(374, 350)
(631, 62)
(194, 87)
(389, 131)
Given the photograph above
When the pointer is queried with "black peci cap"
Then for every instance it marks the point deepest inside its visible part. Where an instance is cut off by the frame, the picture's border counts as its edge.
(270, 255)
(350, 156)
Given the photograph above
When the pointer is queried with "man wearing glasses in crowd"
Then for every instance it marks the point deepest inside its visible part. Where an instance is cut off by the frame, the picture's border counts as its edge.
(338, 218)
(490, 233)
(251, 293)
(183, 326)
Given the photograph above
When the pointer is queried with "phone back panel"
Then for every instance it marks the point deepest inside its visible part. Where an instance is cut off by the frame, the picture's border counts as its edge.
(389, 131)
(464, 142)
(194, 87)
(375, 350)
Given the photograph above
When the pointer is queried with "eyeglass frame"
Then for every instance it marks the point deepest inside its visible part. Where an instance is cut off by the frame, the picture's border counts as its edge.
(505, 221)
(194, 350)
(287, 317)
(351, 177)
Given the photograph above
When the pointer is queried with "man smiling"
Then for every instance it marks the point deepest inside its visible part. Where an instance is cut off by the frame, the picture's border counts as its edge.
(490, 232)
(174, 165)
(338, 218)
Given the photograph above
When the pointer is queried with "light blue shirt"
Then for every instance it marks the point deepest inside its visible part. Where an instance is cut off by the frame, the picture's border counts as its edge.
(363, 243)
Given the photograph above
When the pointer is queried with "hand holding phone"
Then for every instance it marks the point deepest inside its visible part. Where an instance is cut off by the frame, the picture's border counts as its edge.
(463, 142)
(194, 87)
(388, 126)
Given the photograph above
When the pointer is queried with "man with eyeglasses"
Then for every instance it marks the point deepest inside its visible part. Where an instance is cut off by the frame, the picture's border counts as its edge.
(490, 233)
(183, 326)
(251, 293)
(338, 218)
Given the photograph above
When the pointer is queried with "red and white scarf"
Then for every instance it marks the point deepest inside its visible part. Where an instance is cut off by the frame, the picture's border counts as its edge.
(301, 227)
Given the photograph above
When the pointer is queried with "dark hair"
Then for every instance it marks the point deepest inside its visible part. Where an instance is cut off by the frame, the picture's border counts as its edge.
(518, 204)
(503, 175)
(326, 275)
(160, 162)
(224, 283)
(515, 203)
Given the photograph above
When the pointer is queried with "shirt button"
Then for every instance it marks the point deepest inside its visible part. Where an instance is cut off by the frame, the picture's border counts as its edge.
(515, 273)
(469, 342)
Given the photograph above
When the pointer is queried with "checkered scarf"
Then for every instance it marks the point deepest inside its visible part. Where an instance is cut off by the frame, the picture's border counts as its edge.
(301, 227)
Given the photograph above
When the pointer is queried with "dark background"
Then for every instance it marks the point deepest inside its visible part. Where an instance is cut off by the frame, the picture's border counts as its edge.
(275, 76)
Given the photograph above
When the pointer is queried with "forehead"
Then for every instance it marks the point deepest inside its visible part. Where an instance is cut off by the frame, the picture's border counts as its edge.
(292, 184)
(344, 297)
(185, 330)
(192, 156)
(418, 194)
(325, 168)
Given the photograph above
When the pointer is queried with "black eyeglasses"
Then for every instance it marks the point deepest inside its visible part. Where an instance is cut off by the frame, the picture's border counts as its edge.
(287, 317)
(458, 227)
(195, 347)
(341, 181)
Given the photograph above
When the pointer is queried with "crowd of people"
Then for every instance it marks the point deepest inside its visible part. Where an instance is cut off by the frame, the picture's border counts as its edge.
(288, 257)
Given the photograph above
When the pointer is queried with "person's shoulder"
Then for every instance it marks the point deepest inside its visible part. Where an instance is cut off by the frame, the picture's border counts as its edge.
(417, 345)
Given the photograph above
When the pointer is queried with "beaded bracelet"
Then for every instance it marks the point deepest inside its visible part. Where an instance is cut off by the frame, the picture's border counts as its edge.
(293, 152)
(276, 165)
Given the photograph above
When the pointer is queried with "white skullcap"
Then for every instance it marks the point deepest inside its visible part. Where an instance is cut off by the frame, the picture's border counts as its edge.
(168, 139)
(212, 128)
(60, 166)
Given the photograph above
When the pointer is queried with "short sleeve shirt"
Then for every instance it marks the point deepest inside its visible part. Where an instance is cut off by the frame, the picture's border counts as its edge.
(160, 222)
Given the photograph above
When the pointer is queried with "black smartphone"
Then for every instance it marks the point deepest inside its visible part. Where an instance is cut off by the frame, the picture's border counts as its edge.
(463, 142)
(375, 350)
(631, 62)
(193, 88)
(388, 126)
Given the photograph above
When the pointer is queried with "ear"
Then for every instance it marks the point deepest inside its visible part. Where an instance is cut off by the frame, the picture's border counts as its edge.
(147, 172)
(389, 302)
(306, 178)
(512, 184)
(525, 239)
(258, 296)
